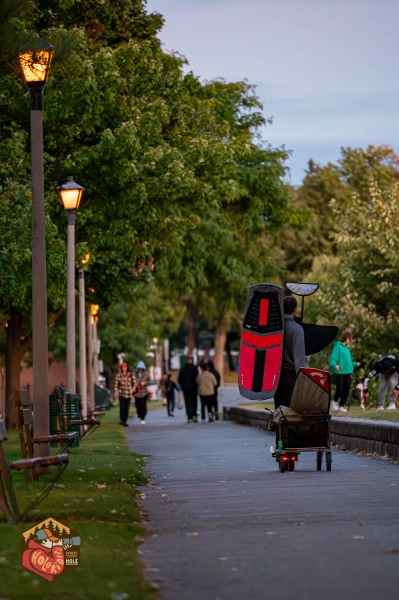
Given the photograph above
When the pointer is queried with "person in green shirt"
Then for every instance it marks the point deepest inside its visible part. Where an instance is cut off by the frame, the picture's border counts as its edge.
(342, 366)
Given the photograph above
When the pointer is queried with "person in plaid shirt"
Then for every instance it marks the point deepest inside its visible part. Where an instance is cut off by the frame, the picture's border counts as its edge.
(124, 388)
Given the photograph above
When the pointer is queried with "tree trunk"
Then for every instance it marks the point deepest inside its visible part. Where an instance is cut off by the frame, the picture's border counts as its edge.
(191, 321)
(15, 350)
(220, 343)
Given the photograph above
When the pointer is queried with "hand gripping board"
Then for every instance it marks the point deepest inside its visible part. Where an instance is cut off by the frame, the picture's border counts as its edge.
(261, 342)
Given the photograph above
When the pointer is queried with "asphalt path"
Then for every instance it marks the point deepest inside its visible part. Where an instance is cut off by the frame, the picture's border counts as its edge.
(224, 523)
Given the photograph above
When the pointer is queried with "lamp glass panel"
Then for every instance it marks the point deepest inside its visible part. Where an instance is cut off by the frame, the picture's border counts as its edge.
(35, 65)
(71, 198)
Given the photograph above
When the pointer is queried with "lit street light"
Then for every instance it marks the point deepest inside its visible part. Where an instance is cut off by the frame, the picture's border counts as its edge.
(71, 194)
(35, 62)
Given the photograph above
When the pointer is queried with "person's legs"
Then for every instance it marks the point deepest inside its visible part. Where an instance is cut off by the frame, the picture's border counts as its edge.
(186, 396)
(286, 383)
(382, 391)
(203, 406)
(339, 385)
(193, 405)
(210, 402)
(216, 406)
(137, 402)
(123, 409)
(393, 394)
(346, 386)
(144, 407)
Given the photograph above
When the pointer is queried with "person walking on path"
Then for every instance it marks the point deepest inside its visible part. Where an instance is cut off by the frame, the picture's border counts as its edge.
(293, 353)
(216, 374)
(342, 366)
(170, 387)
(124, 388)
(141, 394)
(387, 369)
(187, 380)
(207, 383)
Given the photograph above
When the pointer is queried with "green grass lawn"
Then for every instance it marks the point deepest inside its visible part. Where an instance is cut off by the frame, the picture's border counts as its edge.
(96, 496)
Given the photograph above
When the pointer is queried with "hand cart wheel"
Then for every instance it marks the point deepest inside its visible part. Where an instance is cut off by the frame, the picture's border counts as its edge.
(282, 464)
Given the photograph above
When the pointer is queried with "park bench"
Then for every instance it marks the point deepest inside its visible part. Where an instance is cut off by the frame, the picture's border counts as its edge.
(28, 441)
(8, 499)
(68, 419)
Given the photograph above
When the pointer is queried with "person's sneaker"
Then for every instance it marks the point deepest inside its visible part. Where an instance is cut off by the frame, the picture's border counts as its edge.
(335, 405)
(142, 422)
(380, 407)
(195, 419)
(342, 409)
(391, 406)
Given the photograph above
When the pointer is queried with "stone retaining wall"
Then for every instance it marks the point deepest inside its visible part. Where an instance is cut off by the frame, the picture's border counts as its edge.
(361, 435)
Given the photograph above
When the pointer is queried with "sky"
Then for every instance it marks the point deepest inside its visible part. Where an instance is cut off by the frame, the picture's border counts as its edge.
(325, 70)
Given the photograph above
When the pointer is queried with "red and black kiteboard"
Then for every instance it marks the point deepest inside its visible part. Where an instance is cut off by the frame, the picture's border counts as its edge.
(261, 342)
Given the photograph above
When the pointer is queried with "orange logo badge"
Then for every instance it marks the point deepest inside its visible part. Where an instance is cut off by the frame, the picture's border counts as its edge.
(50, 549)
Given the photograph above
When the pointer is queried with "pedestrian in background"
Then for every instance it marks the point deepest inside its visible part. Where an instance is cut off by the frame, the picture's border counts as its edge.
(216, 374)
(387, 369)
(170, 387)
(342, 366)
(187, 380)
(141, 394)
(124, 388)
(207, 383)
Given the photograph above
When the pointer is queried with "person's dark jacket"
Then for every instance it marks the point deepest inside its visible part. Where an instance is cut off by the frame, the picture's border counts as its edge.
(188, 378)
(387, 365)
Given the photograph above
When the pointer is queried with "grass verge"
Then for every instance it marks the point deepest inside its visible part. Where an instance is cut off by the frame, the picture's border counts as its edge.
(96, 496)
(354, 412)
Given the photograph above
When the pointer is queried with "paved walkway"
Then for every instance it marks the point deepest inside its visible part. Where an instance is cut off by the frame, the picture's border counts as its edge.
(224, 523)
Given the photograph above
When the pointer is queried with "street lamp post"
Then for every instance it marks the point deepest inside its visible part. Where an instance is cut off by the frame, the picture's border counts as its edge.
(82, 339)
(71, 194)
(35, 63)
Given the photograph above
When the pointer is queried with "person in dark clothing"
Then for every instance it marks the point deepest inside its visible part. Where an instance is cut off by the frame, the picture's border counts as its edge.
(216, 374)
(187, 380)
(170, 387)
(293, 353)
(387, 369)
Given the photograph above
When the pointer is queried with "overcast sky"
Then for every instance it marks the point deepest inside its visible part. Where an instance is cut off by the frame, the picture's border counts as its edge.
(325, 70)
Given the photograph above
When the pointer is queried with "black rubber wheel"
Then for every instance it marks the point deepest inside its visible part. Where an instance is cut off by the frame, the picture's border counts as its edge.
(291, 463)
(328, 461)
(319, 459)
(282, 464)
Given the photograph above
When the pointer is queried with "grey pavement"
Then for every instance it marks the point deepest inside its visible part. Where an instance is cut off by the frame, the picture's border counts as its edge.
(224, 523)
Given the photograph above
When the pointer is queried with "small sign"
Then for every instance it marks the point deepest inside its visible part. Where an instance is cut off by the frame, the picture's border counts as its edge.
(50, 549)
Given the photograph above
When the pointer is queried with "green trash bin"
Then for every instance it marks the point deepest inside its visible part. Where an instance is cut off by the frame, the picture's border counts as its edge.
(72, 413)
(54, 423)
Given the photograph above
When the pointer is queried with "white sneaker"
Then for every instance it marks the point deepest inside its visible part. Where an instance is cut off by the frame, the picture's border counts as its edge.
(342, 409)
(335, 405)
(142, 422)
(380, 407)
(391, 406)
